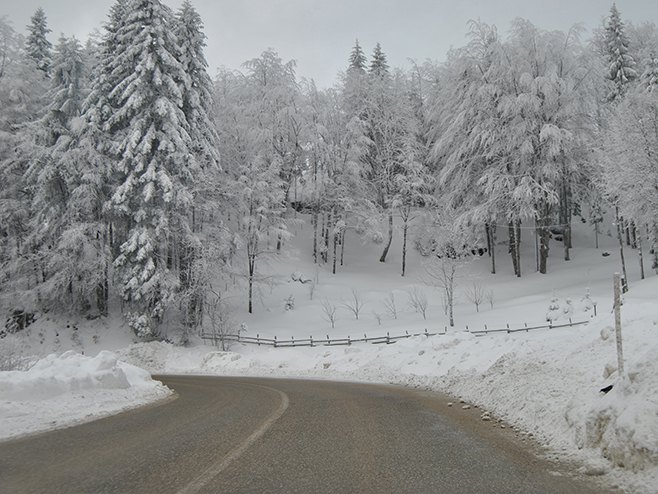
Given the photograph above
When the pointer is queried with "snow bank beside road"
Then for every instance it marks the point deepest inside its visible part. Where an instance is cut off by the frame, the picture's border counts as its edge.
(71, 388)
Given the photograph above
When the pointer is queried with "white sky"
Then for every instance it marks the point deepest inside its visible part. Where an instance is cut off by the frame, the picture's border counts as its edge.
(319, 34)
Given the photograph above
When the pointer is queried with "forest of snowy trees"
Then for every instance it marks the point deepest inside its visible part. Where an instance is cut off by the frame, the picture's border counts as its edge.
(134, 181)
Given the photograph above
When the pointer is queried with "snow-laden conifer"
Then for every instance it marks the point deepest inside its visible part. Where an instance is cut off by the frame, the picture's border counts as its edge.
(621, 66)
(155, 164)
(37, 45)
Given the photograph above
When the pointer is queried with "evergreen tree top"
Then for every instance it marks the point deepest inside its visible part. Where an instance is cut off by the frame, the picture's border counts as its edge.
(37, 44)
(621, 64)
(378, 65)
(357, 58)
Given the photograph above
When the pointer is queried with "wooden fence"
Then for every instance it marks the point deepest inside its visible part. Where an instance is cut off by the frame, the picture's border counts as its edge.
(388, 339)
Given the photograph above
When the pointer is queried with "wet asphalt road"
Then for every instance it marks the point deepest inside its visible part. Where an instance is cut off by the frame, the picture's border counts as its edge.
(243, 435)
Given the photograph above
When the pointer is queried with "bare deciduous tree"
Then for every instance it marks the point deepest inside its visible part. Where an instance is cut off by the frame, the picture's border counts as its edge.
(475, 294)
(220, 317)
(441, 273)
(418, 301)
(329, 312)
(355, 304)
(490, 298)
(389, 305)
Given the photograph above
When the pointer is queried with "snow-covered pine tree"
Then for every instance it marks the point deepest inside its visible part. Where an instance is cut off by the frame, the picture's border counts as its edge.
(650, 74)
(198, 107)
(22, 90)
(198, 103)
(51, 176)
(37, 45)
(621, 66)
(155, 160)
(378, 64)
(357, 58)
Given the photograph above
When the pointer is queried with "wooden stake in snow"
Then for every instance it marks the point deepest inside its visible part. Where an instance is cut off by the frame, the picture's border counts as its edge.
(620, 354)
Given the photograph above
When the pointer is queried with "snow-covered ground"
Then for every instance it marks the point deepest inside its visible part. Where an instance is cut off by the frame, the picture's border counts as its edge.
(67, 389)
(545, 383)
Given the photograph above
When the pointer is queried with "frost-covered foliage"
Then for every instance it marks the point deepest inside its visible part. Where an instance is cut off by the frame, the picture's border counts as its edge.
(630, 157)
(520, 101)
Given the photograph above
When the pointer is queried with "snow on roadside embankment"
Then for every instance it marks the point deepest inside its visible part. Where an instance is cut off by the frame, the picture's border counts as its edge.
(545, 382)
(59, 391)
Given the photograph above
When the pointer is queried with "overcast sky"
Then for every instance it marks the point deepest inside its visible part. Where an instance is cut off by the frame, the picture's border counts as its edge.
(319, 34)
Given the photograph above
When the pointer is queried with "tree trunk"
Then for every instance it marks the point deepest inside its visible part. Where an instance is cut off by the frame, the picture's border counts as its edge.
(252, 266)
(492, 248)
(390, 237)
(333, 268)
(637, 237)
(405, 228)
(544, 236)
(654, 247)
(327, 227)
(342, 246)
(628, 231)
(512, 247)
(314, 220)
(620, 237)
(517, 227)
(514, 231)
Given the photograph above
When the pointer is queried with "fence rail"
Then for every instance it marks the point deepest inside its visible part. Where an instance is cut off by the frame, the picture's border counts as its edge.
(375, 340)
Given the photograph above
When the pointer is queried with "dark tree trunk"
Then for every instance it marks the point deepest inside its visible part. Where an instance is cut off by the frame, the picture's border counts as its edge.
(512, 247)
(637, 237)
(620, 237)
(252, 270)
(335, 249)
(491, 241)
(314, 220)
(390, 237)
(514, 232)
(544, 235)
(342, 246)
(405, 228)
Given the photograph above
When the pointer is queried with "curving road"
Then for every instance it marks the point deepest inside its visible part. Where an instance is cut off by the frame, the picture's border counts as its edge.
(240, 435)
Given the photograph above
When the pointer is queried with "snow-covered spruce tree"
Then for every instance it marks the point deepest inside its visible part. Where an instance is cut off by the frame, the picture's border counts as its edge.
(198, 107)
(155, 162)
(22, 90)
(621, 66)
(198, 104)
(37, 45)
(650, 74)
(52, 175)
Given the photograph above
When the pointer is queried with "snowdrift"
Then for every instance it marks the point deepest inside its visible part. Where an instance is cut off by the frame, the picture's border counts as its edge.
(67, 389)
